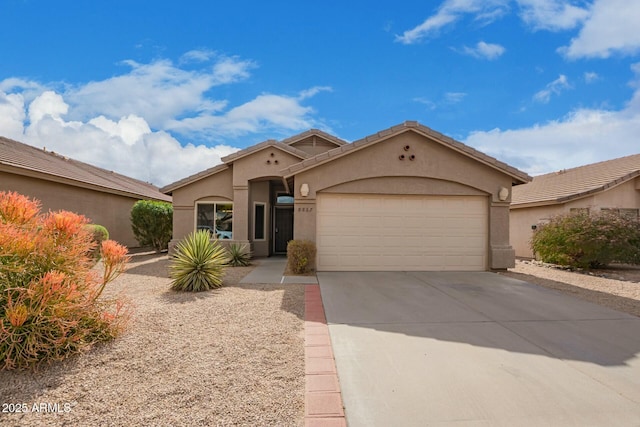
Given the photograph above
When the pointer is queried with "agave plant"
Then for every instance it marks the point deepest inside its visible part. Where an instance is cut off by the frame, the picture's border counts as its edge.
(198, 264)
(239, 255)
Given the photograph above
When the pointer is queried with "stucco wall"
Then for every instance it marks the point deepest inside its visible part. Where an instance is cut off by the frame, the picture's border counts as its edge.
(432, 160)
(435, 169)
(110, 210)
(264, 163)
(216, 187)
(260, 192)
(626, 195)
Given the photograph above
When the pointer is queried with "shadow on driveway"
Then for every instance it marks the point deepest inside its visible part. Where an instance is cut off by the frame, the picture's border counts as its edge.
(439, 348)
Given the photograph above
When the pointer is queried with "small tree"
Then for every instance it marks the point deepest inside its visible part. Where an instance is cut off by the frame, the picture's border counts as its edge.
(152, 223)
(588, 240)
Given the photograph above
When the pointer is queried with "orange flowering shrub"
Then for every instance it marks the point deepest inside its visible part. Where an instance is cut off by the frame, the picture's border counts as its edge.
(50, 297)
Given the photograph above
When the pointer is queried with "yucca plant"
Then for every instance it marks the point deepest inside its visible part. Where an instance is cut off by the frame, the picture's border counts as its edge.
(239, 255)
(198, 263)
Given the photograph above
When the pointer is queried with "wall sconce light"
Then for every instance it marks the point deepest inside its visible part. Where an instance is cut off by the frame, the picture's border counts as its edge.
(304, 190)
(503, 194)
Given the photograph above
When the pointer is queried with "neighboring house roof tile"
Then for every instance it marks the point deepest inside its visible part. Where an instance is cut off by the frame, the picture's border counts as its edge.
(518, 176)
(33, 161)
(571, 184)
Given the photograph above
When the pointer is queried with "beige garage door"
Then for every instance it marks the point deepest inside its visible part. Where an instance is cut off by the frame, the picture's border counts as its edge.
(360, 232)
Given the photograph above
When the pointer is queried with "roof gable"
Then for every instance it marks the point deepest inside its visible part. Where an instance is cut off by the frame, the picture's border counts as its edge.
(170, 188)
(271, 143)
(570, 184)
(314, 133)
(518, 176)
(27, 160)
(230, 159)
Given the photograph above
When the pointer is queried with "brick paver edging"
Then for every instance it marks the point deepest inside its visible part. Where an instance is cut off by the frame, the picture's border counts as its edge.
(323, 401)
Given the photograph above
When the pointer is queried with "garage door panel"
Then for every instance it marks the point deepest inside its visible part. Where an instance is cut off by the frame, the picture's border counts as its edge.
(384, 232)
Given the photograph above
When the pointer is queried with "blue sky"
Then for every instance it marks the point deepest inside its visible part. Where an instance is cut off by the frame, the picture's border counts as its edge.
(161, 90)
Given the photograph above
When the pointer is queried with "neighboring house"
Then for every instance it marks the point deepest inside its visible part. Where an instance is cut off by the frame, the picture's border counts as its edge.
(60, 183)
(406, 198)
(611, 185)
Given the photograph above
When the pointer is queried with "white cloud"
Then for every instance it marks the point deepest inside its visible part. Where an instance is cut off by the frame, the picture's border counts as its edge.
(266, 112)
(197, 55)
(612, 27)
(486, 11)
(591, 76)
(552, 15)
(123, 123)
(583, 136)
(47, 104)
(308, 93)
(554, 88)
(424, 101)
(454, 97)
(158, 91)
(12, 115)
(130, 129)
(484, 50)
(230, 70)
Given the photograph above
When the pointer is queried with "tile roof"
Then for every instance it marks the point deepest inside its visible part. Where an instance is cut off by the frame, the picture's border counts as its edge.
(570, 184)
(169, 188)
(343, 147)
(518, 176)
(33, 161)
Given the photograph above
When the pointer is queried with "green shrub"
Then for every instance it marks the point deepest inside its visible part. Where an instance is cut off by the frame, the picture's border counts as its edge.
(152, 223)
(239, 255)
(50, 305)
(586, 240)
(198, 263)
(301, 255)
(98, 235)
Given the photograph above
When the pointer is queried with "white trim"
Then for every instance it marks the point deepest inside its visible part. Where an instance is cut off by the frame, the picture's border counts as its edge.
(214, 203)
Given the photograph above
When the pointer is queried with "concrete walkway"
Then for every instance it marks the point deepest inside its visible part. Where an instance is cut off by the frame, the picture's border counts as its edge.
(323, 402)
(271, 270)
(478, 349)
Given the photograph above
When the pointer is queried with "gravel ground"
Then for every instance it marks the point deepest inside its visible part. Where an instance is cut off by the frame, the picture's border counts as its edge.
(621, 295)
(229, 357)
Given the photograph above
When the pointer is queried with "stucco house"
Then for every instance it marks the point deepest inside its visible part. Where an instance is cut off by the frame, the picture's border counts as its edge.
(612, 185)
(405, 198)
(61, 183)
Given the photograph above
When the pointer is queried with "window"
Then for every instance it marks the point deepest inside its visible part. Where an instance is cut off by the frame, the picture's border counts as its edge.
(216, 218)
(625, 213)
(259, 220)
(284, 199)
(579, 210)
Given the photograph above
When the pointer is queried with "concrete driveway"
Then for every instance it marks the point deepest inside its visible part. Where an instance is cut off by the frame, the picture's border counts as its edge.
(478, 349)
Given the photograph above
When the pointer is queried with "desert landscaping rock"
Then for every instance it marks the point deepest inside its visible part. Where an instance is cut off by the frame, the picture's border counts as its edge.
(232, 356)
(622, 295)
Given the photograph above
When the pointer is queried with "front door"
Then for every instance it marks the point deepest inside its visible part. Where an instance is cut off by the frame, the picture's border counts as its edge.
(283, 228)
